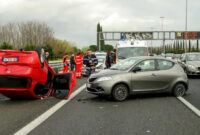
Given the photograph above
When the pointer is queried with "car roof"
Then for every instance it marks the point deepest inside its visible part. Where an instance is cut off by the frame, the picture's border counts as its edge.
(193, 53)
(152, 57)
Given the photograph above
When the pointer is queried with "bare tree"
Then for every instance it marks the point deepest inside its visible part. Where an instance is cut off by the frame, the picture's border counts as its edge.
(21, 34)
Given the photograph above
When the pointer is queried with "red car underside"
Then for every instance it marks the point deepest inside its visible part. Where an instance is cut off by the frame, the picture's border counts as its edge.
(27, 77)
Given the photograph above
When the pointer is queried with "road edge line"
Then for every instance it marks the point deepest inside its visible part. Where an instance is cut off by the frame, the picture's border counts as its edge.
(40, 119)
(190, 106)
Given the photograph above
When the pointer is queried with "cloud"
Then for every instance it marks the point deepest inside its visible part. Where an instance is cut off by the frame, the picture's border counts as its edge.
(76, 20)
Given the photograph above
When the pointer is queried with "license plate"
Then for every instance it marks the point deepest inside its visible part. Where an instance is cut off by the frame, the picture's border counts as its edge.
(11, 59)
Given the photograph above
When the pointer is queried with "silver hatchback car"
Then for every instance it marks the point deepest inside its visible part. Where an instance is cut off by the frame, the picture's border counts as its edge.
(139, 75)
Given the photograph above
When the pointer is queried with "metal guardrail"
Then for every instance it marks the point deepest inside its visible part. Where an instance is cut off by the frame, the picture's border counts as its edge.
(57, 66)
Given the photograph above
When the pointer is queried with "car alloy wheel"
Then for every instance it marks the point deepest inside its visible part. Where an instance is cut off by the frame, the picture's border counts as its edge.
(120, 92)
(179, 90)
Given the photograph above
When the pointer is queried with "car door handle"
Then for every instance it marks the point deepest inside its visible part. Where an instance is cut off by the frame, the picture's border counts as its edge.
(153, 74)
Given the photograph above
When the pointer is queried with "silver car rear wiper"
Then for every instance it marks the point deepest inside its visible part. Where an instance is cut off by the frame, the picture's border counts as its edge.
(121, 57)
(113, 68)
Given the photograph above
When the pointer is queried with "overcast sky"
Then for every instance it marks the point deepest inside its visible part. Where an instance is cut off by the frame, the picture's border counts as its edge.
(76, 20)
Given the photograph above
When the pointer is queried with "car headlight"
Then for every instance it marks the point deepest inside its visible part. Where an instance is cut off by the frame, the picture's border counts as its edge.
(103, 79)
(192, 67)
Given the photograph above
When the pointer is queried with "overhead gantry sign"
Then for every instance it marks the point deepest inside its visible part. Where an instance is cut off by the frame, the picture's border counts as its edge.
(148, 35)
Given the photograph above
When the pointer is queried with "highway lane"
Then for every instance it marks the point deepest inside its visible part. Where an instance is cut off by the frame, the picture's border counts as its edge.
(155, 114)
(14, 114)
(90, 110)
(193, 94)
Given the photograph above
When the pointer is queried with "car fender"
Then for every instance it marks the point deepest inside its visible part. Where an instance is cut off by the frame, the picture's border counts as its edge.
(179, 80)
(123, 80)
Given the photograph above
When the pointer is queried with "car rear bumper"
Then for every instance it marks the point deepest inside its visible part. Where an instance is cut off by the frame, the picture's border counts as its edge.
(193, 73)
(14, 92)
(20, 81)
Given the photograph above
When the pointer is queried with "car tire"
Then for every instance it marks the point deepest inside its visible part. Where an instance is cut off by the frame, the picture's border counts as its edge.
(179, 90)
(41, 54)
(120, 92)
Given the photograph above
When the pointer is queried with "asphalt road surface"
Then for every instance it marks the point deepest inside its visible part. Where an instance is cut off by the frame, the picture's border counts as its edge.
(86, 114)
(193, 95)
(14, 114)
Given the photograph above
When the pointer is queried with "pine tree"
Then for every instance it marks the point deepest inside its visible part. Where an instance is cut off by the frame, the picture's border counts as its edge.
(189, 46)
(178, 45)
(102, 41)
(197, 45)
(98, 30)
(174, 45)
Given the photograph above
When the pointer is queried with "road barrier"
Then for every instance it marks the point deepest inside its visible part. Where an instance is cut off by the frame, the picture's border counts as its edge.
(57, 66)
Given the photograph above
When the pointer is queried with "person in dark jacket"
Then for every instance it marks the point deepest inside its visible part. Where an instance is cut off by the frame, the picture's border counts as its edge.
(72, 63)
(47, 57)
(108, 60)
(113, 55)
(90, 61)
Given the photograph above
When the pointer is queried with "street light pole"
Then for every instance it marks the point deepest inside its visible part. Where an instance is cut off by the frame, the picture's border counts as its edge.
(186, 22)
(162, 25)
(152, 42)
(186, 16)
(162, 19)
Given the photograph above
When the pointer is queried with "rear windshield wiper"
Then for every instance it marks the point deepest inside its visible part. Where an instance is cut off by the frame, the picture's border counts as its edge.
(121, 57)
(113, 68)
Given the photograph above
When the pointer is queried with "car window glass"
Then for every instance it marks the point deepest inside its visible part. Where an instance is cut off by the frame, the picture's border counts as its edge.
(125, 64)
(193, 57)
(147, 65)
(182, 57)
(164, 64)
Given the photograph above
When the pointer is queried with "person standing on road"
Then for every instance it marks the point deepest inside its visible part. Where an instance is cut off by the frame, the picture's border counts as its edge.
(114, 57)
(72, 62)
(90, 61)
(79, 64)
(47, 57)
(108, 60)
(65, 64)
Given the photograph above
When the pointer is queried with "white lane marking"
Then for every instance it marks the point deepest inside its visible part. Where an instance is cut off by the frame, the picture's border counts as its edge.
(190, 106)
(32, 125)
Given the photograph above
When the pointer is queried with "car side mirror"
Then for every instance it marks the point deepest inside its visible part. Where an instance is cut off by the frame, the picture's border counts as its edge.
(136, 69)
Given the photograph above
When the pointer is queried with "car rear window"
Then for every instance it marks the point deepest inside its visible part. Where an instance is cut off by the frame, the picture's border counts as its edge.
(164, 64)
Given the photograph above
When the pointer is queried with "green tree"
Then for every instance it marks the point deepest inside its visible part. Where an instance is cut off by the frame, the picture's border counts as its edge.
(189, 46)
(100, 43)
(107, 47)
(30, 47)
(98, 30)
(48, 48)
(93, 48)
(5, 45)
(84, 50)
(197, 45)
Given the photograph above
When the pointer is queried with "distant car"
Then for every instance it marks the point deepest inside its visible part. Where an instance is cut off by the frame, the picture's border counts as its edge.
(139, 75)
(26, 74)
(101, 65)
(169, 56)
(100, 54)
(176, 57)
(191, 63)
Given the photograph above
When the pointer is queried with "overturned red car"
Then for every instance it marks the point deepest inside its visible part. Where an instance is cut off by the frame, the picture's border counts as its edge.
(26, 74)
